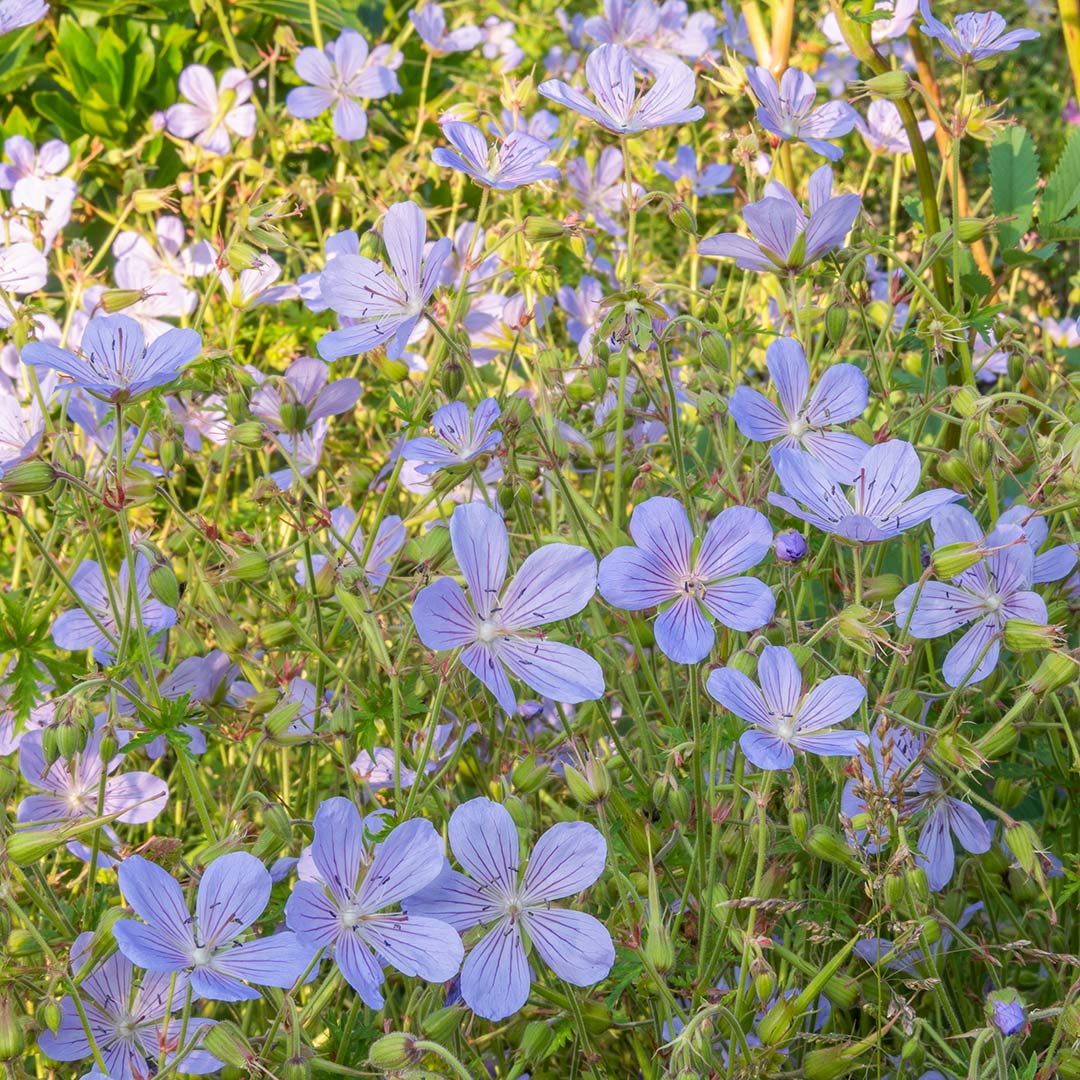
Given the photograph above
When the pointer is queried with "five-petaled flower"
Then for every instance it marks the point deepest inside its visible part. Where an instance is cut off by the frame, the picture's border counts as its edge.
(430, 23)
(976, 37)
(345, 909)
(568, 858)
(786, 718)
(303, 396)
(663, 566)
(459, 437)
(787, 110)
(497, 629)
(213, 112)
(514, 161)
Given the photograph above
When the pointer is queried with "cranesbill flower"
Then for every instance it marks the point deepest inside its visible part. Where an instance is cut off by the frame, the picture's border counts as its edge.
(884, 131)
(609, 72)
(1051, 565)
(430, 23)
(383, 308)
(569, 857)
(388, 542)
(341, 76)
(803, 419)
(787, 110)
(602, 192)
(170, 256)
(790, 546)
(499, 44)
(213, 112)
(77, 629)
(113, 360)
(497, 629)
(233, 892)
(515, 161)
(130, 1023)
(880, 504)
(663, 567)
(460, 437)
(346, 909)
(1005, 1011)
(15, 14)
(786, 718)
(23, 269)
(303, 396)
(254, 285)
(710, 180)
(21, 428)
(584, 312)
(24, 160)
(984, 597)
(976, 37)
(784, 237)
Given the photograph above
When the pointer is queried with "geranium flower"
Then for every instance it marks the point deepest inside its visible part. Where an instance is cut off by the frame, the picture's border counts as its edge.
(884, 130)
(213, 112)
(430, 23)
(787, 110)
(303, 396)
(24, 160)
(977, 37)
(710, 180)
(15, 14)
(515, 161)
(388, 542)
(460, 437)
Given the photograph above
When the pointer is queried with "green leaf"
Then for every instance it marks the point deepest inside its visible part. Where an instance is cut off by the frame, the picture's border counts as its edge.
(1063, 188)
(1016, 257)
(1069, 229)
(976, 285)
(1014, 176)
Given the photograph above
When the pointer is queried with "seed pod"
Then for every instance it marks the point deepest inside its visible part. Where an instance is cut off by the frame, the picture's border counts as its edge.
(892, 85)
(591, 786)
(28, 478)
(228, 1044)
(714, 348)
(444, 1023)
(26, 846)
(836, 322)
(956, 472)
(1056, 670)
(542, 230)
(393, 1052)
(229, 635)
(529, 775)
(966, 402)
(882, 588)
(1023, 635)
(249, 566)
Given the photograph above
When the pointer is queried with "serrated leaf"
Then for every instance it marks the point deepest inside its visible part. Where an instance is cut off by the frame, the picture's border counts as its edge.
(1016, 257)
(1063, 188)
(976, 285)
(1069, 229)
(1014, 177)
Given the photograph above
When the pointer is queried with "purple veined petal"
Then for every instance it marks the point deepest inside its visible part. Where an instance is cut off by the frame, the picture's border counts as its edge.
(807, 481)
(763, 86)
(1025, 605)
(361, 968)
(340, 396)
(416, 945)
(789, 371)
(438, 254)
(484, 841)
(404, 232)
(1009, 559)
(742, 603)
(766, 751)
(388, 542)
(409, 858)
(350, 120)
(829, 225)
(156, 897)
(747, 254)
(921, 507)
(781, 680)
(661, 527)
(482, 661)
(353, 340)
(972, 833)
(889, 475)
(736, 539)
(240, 120)
(974, 656)
(482, 548)
(75, 630)
(495, 977)
(936, 856)
(1054, 564)
(818, 146)
(775, 226)
(314, 66)
(233, 893)
(454, 899)
(830, 702)
(443, 616)
(110, 981)
(841, 454)
(576, 946)
(308, 102)
(70, 1042)
(152, 947)
(197, 84)
(841, 394)
(939, 610)
(350, 53)
(338, 847)
(553, 669)
(739, 694)
(360, 288)
(44, 354)
(470, 141)
(558, 91)
(683, 634)
(185, 121)
(42, 808)
(275, 960)
(668, 100)
(311, 915)
(830, 743)
(554, 582)
(609, 72)
(566, 859)
(197, 1062)
(756, 416)
(144, 793)
(214, 985)
(632, 578)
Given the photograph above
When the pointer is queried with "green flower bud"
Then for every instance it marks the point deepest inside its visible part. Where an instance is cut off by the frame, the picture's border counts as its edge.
(536, 1040)
(980, 453)
(744, 662)
(12, 1031)
(581, 392)
(828, 844)
(8, 780)
(1056, 670)
(248, 434)
(776, 1025)
(27, 478)
(682, 217)
(228, 1044)
(892, 85)
(678, 802)
(829, 1062)
(163, 585)
(26, 846)
(714, 348)
(529, 775)
(1023, 635)
(955, 471)
(952, 560)
(659, 949)
(1008, 794)
(21, 942)
(229, 635)
(966, 402)
(836, 322)
(248, 566)
(882, 588)
(293, 416)
(49, 1015)
(444, 1023)
(591, 786)
(798, 823)
(542, 230)
(1022, 840)
(114, 300)
(451, 379)
(972, 230)
(393, 1052)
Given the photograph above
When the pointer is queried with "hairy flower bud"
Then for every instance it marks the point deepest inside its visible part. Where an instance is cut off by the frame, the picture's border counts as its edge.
(393, 1052)
(952, 560)
(28, 478)
(836, 322)
(248, 434)
(529, 775)
(1056, 670)
(12, 1027)
(542, 230)
(229, 1044)
(828, 844)
(1023, 635)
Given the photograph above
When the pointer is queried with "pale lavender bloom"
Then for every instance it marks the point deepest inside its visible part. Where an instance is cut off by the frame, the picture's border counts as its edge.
(884, 131)
(75, 630)
(881, 952)
(114, 362)
(52, 158)
(986, 596)
(346, 909)
(836, 72)
(302, 450)
(786, 718)
(784, 237)
(1051, 565)
(652, 33)
(202, 119)
(15, 14)
(495, 323)
(23, 269)
(233, 892)
(787, 110)
(345, 242)
(1064, 333)
(306, 387)
(879, 506)
(170, 256)
(663, 567)
(21, 428)
(40, 208)
(384, 308)
(341, 76)
(497, 629)
(513, 162)
(735, 32)
(989, 360)
(430, 23)
(466, 258)
(618, 106)
(976, 37)
(542, 125)
(130, 1023)
(499, 44)
(568, 858)
(255, 284)
(460, 437)
(583, 310)
(711, 180)
(803, 419)
(389, 540)
(603, 192)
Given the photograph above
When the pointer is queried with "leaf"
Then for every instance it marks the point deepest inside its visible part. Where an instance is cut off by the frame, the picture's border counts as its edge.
(976, 285)
(1016, 257)
(1063, 188)
(1014, 177)
(1069, 229)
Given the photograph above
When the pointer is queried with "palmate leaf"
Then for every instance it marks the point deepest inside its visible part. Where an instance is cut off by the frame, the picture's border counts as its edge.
(1014, 177)
(28, 649)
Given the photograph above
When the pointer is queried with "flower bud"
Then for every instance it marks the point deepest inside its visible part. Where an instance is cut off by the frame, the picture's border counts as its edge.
(892, 85)
(836, 322)
(114, 300)
(776, 1025)
(744, 662)
(1023, 635)
(591, 786)
(248, 566)
(966, 402)
(228, 1044)
(294, 416)
(1056, 670)
(393, 1052)
(952, 560)
(715, 350)
(956, 472)
(451, 379)
(529, 775)
(998, 741)
(828, 844)
(581, 392)
(682, 217)
(882, 588)
(248, 434)
(8, 780)
(1022, 840)
(828, 1062)
(537, 1040)
(790, 546)
(1008, 794)
(12, 1032)
(444, 1023)
(542, 230)
(798, 823)
(163, 584)
(277, 634)
(980, 453)
(972, 230)
(26, 846)
(278, 720)
(27, 478)
(229, 635)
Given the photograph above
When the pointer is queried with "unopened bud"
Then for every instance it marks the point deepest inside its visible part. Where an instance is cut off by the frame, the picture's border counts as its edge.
(27, 478)
(659, 950)
(715, 350)
(956, 472)
(451, 379)
(393, 1052)
(1056, 670)
(892, 85)
(825, 843)
(972, 230)
(966, 402)
(882, 588)
(248, 566)
(836, 322)
(229, 635)
(12, 1030)
(277, 634)
(228, 1044)
(542, 230)
(952, 560)
(682, 217)
(1024, 635)
(590, 786)
(114, 300)
(529, 775)
(537, 1040)
(248, 434)
(776, 1025)
(163, 585)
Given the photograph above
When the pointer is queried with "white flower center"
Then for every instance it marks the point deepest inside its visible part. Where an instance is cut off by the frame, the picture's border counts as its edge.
(125, 1027)
(797, 427)
(785, 728)
(350, 915)
(992, 603)
(488, 630)
(200, 957)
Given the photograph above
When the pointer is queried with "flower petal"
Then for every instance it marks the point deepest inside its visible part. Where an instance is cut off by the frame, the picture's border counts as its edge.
(577, 947)
(495, 977)
(567, 858)
(233, 893)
